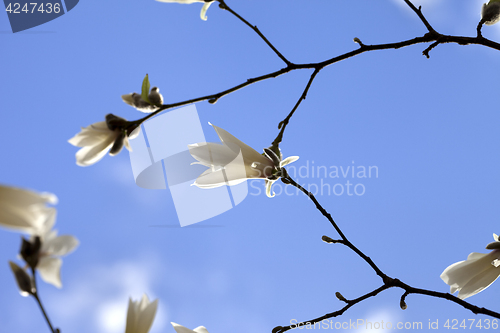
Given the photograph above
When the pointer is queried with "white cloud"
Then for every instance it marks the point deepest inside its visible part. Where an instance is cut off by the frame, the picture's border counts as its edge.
(100, 299)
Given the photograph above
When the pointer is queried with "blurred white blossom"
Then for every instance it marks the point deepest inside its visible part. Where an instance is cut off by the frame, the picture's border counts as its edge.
(181, 329)
(204, 9)
(25, 210)
(476, 273)
(140, 315)
(53, 247)
(490, 12)
(99, 138)
(233, 162)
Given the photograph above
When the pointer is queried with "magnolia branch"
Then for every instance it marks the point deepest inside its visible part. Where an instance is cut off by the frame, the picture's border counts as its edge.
(432, 36)
(388, 282)
(223, 5)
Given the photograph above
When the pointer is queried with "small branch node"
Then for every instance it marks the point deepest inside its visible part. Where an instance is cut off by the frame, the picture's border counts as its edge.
(402, 303)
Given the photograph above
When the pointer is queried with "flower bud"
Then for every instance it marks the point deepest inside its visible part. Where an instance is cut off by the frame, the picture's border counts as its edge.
(155, 97)
(340, 297)
(402, 304)
(490, 12)
(327, 239)
(30, 251)
(23, 280)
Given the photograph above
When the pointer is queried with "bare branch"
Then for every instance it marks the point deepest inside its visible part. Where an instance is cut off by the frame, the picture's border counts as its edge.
(223, 5)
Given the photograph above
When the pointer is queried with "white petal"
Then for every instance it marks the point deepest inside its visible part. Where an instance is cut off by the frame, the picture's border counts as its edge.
(181, 329)
(269, 184)
(132, 317)
(479, 282)
(60, 246)
(22, 197)
(24, 219)
(289, 160)
(147, 314)
(221, 177)
(203, 13)
(135, 133)
(459, 274)
(250, 155)
(50, 270)
(90, 155)
(91, 135)
(213, 154)
(200, 329)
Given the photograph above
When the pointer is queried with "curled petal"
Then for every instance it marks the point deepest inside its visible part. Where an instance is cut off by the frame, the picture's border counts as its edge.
(289, 160)
(203, 13)
(269, 192)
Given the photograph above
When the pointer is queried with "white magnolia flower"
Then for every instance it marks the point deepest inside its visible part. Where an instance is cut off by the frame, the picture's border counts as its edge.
(135, 100)
(233, 162)
(476, 273)
(181, 329)
(490, 13)
(99, 138)
(24, 210)
(53, 247)
(140, 315)
(204, 9)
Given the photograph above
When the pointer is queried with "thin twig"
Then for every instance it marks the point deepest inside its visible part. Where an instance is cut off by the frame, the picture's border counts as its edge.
(388, 282)
(38, 300)
(420, 15)
(282, 125)
(223, 5)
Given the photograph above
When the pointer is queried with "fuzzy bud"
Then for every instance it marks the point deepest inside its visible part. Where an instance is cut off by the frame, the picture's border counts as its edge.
(490, 13)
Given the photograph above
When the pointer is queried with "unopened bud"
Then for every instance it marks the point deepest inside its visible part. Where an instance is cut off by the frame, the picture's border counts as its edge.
(340, 297)
(358, 41)
(402, 304)
(23, 280)
(327, 239)
(490, 13)
(155, 97)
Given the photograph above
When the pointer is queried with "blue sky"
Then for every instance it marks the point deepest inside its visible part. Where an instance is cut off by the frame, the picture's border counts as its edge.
(430, 126)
